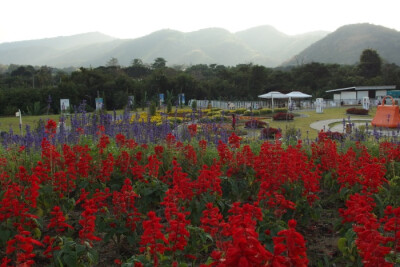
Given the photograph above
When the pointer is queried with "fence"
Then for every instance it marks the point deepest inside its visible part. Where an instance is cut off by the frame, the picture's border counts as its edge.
(249, 104)
(296, 104)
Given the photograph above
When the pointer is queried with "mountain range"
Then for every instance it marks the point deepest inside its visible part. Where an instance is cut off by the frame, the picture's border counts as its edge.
(262, 45)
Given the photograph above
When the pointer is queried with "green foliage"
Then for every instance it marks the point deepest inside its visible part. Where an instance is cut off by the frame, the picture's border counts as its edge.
(370, 64)
(169, 106)
(23, 86)
(348, 248)
(265, 111)
(75, 254)
(153, 108)
(35, 109)
(194, 104)
(280, 110)
(290, 133)
(10, 110)
(213, 113)
(240, 111)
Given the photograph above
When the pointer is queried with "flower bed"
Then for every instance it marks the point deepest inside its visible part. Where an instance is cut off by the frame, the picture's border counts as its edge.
(357, 111)
(255, 124)
(112, 201)
(331, 135)
(281, 116)
(269, 132)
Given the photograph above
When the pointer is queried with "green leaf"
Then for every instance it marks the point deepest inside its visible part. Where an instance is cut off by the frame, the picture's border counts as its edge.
(71, 259)
(80, 249)
(5, 235)
(342, 244)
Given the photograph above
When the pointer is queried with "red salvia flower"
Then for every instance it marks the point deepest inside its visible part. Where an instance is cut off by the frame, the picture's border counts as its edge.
(51, 127)
(58, 220)
(152, 237)
(290, 247)
(234, 140)
(192, 129)
(178, 235)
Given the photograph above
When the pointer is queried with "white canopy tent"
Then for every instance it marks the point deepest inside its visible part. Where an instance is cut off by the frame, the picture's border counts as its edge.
(296, 95)
(273, 95)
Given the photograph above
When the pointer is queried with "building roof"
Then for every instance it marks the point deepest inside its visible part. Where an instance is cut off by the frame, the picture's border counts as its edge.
(364, 88)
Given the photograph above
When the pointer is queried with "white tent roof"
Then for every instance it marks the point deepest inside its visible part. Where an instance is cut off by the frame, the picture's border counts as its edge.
(274, 95)
(297, 94)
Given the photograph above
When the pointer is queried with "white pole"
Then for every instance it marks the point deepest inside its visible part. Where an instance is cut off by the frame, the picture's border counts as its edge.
(272, 102)
(20, 121)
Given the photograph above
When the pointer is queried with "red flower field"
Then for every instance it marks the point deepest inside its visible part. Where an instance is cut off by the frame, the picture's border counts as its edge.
(116, 202)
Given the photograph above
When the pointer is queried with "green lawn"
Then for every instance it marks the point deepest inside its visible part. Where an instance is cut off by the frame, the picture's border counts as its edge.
(12, 122)
(7, 123)
(303, 123)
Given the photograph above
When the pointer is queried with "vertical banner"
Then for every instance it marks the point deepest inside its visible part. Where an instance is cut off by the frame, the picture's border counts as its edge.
(365, 102)
(99, 103)
(181, 99)
(161, 98)
(64, 105)
(131, 101)
(319, 105)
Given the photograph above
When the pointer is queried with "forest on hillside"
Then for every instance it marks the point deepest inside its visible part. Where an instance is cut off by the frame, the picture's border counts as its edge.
(38, 90)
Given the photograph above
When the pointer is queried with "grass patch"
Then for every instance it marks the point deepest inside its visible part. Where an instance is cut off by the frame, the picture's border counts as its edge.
(8, 123)
(303, 122)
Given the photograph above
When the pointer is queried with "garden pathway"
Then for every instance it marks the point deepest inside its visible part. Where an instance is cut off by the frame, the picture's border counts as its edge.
(338, 127)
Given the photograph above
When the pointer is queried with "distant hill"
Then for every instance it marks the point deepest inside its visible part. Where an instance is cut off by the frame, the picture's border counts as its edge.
(44, 51)
(268, 41)
(262, 45)
(345, 45)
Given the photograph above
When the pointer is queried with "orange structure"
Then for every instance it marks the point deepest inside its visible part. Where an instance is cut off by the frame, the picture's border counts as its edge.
(387, 115)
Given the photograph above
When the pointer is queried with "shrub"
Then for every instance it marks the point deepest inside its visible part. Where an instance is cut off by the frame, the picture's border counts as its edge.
(284, 110)
(265, 111)
(270, 132)
(291, 132)
(213, 119)
(281, 116)
(169, 106)
(153, 108)
(251, 112)
(194, 104)
(213, 113)
(357, 111)
(240, 110)
(255, 124)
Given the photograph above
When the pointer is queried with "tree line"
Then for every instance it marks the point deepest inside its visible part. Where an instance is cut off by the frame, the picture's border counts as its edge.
(37, 90)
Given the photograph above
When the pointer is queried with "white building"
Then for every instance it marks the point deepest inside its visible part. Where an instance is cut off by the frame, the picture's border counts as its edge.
(353, 95)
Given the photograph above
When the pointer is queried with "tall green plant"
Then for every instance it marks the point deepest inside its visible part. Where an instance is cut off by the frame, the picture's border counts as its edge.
(153, 108)
(169, 98)
(35, 109)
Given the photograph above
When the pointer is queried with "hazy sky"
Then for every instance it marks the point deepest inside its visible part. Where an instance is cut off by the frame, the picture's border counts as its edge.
(35, 19)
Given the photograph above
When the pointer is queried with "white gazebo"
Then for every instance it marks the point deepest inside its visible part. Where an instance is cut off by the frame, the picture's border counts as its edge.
(296, 95)
(273, 95)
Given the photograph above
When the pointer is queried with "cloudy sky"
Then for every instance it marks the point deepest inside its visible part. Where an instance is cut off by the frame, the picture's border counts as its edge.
(35, 19)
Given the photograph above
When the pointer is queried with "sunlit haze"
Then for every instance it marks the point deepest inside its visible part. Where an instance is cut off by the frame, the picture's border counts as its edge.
(27, 19)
